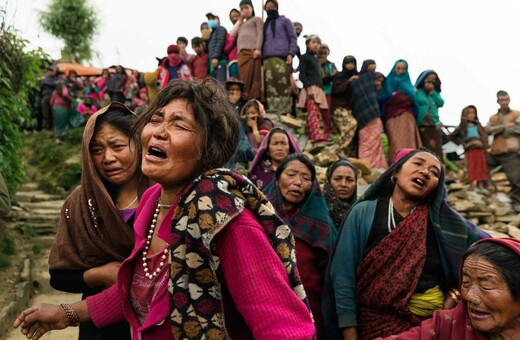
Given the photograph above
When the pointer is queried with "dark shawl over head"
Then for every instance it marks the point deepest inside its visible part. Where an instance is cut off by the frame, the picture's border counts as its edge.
(338, 208)
(401, 83)
(311, 222)
(260, 168)
(419, 83)
(365, 65)
(346, 74)
(454, 233)
(91, 232)
(365, 105)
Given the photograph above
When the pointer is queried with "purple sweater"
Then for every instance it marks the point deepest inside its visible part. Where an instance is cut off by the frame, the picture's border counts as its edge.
(283, 42)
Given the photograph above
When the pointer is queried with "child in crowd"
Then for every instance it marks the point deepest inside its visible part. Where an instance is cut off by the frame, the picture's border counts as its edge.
(230, 49)
(87, 108)
(257, 124)
(142, 103)
(312, 96)
(329, 71)
(205, 33)
(182, 42)
(200, 62)
(475, 139)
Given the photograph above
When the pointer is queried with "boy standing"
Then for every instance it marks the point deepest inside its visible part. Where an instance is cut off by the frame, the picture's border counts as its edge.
(199, 63)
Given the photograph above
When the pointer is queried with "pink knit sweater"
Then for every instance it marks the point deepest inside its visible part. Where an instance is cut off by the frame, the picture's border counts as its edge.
(258, 301)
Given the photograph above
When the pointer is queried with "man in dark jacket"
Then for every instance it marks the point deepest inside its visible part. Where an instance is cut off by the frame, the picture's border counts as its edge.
(217, 40)
(47, 85)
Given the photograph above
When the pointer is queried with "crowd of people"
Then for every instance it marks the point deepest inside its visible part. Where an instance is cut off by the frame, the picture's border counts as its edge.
(166, 241)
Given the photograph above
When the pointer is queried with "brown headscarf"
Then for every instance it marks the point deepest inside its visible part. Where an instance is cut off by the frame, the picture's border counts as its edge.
(91, 232)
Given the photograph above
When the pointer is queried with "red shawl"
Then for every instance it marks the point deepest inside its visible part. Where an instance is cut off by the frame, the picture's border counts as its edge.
(388, 276)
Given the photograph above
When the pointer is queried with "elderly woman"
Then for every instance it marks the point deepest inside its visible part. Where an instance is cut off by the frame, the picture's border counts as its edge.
(490, 291)
(297, 198)
(340, 189)
(95, 232)
(211, 259)
(399, 251)
(274, 148)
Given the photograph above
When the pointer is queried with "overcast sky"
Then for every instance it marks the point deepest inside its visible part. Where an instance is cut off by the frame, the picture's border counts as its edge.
(473, 45)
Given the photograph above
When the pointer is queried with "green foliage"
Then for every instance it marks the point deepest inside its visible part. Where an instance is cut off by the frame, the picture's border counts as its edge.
(56, 165)
(73, 21)
(37, 249)
(4, 262)
(26, 229)
(7, 245)
(19, 71)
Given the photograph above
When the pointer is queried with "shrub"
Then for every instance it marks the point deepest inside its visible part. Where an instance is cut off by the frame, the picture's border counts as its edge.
(19, 71)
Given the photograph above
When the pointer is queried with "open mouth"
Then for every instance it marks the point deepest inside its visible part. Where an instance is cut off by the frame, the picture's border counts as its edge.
(419, 182)
(156, 152)
(476, 314)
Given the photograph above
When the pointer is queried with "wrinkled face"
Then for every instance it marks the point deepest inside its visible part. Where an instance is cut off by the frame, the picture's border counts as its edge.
(471, 114)
(400, 68)
(113, 155)
(313, 45)
(503, 101)
(278, 147)
(295, 183)
(429, 83)
(233, 16)
(418, 177)
(491, 307)
(171, 143)
(378, 82)
(343, 182)
(246, 11)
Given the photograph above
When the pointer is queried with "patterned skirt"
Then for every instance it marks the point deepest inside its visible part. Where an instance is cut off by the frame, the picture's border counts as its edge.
(277, 85)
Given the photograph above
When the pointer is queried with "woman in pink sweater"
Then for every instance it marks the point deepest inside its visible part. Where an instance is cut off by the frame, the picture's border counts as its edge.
(211, 259)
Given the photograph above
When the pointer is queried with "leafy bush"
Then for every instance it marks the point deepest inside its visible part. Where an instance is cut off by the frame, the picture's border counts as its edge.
(7, 245)
(19, 71)
(55, 165)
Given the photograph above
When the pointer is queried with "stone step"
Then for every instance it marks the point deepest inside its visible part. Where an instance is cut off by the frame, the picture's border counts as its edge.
(57, 204)
(38, 219)
(35, 196)
(49, 212)
(29, 186)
